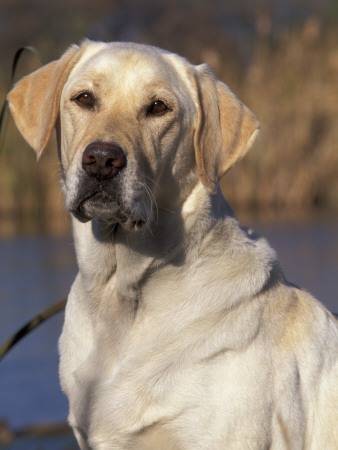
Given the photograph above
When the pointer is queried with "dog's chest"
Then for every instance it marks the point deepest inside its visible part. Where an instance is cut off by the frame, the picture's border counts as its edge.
(158, 396)
(162, 359)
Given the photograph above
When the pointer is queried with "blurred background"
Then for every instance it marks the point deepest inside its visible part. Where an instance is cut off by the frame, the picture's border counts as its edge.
(280, 57)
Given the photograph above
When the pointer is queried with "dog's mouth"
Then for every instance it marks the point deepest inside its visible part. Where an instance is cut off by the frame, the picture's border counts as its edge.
(87, 200)
(99, 197)
(99, 204)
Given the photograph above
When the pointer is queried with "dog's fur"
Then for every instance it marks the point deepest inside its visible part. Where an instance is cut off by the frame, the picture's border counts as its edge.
(180, 331)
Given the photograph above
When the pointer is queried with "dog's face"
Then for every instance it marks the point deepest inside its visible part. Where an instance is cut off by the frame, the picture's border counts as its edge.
(137, 128)
(126, 133)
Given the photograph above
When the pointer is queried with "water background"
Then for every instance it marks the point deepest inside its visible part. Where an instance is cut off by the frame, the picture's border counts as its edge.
(36, 272)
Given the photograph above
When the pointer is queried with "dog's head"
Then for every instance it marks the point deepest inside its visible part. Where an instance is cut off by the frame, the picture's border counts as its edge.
(137, 127)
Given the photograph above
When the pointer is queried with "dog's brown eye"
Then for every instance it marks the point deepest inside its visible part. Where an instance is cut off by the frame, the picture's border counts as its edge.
(158, 108)
(84, 99)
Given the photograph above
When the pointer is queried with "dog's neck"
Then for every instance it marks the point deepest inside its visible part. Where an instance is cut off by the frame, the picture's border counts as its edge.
(122, 271)
(116, 265)
(129, 256)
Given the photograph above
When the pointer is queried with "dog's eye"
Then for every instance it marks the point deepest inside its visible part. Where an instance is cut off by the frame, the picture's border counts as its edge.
(158, 108)
(84, 99)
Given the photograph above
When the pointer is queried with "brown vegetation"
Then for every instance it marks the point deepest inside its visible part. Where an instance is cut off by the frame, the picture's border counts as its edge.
(287, 74)
(292, 86)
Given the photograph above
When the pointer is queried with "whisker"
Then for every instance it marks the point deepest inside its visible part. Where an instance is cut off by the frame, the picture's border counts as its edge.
(153, 203)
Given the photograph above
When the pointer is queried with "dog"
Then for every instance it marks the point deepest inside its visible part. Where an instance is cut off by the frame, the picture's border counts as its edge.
(180, 330)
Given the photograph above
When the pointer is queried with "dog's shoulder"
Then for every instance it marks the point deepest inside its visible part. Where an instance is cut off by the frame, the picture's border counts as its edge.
(303, 333)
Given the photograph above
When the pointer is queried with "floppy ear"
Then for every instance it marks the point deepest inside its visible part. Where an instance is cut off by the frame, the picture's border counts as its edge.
(34, 100)
(225, 130)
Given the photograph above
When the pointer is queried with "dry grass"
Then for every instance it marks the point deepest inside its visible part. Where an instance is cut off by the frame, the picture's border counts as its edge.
(292, 86)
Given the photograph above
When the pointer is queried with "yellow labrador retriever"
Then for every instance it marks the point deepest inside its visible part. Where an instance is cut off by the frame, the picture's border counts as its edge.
(180, 331)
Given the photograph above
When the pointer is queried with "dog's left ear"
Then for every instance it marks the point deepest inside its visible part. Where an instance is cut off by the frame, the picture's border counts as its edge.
(225, 129)
(34, 100)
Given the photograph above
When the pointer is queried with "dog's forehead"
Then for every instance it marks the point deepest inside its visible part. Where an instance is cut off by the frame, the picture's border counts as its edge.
(130, 65)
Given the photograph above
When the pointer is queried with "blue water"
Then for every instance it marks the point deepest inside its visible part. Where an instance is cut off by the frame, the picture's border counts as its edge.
(35, 272)
(308, 253)
(66, 442)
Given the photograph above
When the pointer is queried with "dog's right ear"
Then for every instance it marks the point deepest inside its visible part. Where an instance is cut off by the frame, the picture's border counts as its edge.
(34, 100)
(225, 129)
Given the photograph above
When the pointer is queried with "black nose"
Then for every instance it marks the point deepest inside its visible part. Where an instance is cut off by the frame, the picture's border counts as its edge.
(103, 160)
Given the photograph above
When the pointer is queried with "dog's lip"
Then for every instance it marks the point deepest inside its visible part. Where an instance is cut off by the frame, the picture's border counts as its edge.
(116, 216)
(99, 196)
(97, 203)
(95, 195)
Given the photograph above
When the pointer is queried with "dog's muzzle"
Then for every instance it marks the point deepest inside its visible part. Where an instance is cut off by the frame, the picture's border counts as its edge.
(104, 189)
(99, 191)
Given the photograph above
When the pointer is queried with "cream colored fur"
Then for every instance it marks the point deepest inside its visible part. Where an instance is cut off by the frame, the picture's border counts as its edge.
(181, 332)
